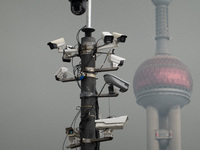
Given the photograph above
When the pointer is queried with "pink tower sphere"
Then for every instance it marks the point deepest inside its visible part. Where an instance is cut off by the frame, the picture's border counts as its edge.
(160, 73)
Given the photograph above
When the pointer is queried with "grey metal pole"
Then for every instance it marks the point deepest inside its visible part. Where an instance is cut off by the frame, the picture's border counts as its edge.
(88, 92)
(88, 87)
(89, 14)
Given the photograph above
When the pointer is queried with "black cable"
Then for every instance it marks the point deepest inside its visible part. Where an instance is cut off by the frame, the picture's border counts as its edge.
(97, 146)
(101, 89)
(89, 110)
(74, 120)
(77, 35)
(105, 59)
(77, 38)
(63, 146)
(98, 40)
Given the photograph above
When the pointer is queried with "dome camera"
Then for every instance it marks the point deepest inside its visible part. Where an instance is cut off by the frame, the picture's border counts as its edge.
(78, 7)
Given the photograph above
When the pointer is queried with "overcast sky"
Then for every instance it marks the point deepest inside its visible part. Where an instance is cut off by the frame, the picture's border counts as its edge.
(35, 109)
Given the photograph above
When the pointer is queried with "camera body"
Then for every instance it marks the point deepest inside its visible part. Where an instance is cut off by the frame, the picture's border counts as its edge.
(116, 81)
(115, 60)
(78, 7)
(68, 53)
(107, 37)
(61, 74)
(111, 123)
(56, 44)
(119, 37)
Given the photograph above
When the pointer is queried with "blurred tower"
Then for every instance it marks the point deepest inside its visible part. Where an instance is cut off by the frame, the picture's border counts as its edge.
(162, 85)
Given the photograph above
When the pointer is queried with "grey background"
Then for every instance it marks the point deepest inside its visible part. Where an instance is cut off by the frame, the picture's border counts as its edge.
(35, 109)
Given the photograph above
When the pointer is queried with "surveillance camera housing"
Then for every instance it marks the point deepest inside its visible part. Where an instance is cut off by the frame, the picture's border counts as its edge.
(116, 81)
(66, 58)
(56, 44)
(111, 123)
(119, 37)
(107, 37)
(61, 74)
(115, 60)
(67, 53)
(78, 7)
(69, 50)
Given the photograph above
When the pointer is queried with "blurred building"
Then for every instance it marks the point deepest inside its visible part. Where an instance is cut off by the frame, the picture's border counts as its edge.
(163, 85)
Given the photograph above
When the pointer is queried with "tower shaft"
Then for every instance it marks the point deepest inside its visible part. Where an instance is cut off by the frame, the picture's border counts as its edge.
(159, 121)
(152, 126)
(163, 124)
(162, 30)
(175, 126)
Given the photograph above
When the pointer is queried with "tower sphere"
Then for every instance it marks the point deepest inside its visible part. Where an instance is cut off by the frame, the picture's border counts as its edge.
(161, 2)
(162, 74)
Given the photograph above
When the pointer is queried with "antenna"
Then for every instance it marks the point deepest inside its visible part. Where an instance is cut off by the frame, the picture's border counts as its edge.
(162, 29)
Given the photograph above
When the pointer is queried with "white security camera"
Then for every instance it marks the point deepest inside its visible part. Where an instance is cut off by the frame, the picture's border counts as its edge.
(111, 123)
(67, 53)
(116, 81)
(70, 49)
(107, 37)
(61, 74)
(119, 37)
(115, 61)
(56, 44)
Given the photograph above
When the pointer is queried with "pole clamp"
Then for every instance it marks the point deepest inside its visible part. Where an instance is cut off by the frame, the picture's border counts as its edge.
(91, 75)
(87, 94)
(89, 69)
(84, 140)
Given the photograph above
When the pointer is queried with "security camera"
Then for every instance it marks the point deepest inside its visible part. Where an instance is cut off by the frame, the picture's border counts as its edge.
(115, 61)
(111, 123)
(61, 74)
(56, 44)
(68, 53)
(66, 57)
(119, 37)
(70, 49)
(78, 7)
(116, 81)
(107, 37)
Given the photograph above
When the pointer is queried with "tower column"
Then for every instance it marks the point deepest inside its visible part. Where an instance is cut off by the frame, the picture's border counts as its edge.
(175, 126)
(163, 124)
(163, 121)
(152, 126)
